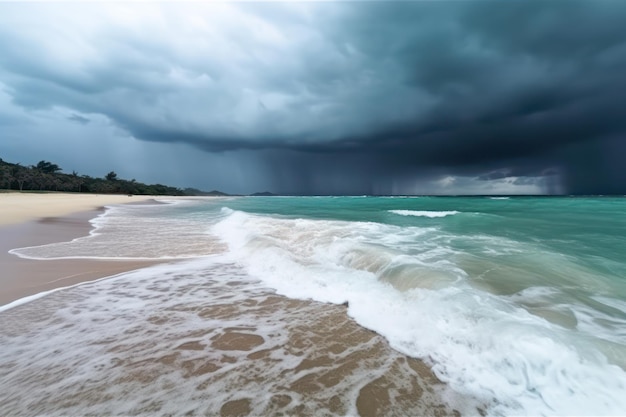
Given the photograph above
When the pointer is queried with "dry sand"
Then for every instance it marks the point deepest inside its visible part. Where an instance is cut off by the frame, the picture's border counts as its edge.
(21, 207)
(36, 219)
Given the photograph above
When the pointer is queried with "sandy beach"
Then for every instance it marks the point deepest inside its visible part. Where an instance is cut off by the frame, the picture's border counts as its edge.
(17, 208)
(29, 219)
(328, 361)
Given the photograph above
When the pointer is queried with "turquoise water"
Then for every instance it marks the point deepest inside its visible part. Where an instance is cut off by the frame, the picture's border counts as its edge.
(517, 302)
(589, 233)
(578, 243)
(583, 227)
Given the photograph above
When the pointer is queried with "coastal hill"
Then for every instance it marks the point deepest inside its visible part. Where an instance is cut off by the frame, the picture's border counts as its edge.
(263, 194)
(214, 193)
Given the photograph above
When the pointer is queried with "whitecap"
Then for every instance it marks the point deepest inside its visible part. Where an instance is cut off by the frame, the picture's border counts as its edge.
(424, 213)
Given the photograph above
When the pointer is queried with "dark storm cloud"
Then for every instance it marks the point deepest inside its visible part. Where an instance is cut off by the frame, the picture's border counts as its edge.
(513, 82)
(346, 93)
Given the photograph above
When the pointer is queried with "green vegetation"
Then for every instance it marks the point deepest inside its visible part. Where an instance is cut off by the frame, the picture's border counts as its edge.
(46, 176)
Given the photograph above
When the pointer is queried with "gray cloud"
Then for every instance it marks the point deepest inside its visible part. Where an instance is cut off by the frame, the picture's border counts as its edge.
(79, 119)
(344, 97)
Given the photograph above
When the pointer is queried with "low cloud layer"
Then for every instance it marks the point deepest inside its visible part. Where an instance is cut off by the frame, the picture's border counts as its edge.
(381, 97)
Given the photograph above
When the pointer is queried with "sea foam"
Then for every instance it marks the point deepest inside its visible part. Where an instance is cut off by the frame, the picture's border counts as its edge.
(424, 213)
(453, 300)
(195, 338)
(483, 345)
(135, 232)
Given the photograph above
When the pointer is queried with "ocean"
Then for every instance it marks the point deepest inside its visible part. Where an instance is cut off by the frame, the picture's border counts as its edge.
(332, 306)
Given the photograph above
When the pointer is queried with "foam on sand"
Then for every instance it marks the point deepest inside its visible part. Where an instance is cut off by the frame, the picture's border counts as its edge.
(199, 338)
(513, 326)
(483, 345)
(120, 234)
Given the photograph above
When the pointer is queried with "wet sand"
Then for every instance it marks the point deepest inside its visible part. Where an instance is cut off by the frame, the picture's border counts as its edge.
(331, 371)
(24, 277)
(218, 347)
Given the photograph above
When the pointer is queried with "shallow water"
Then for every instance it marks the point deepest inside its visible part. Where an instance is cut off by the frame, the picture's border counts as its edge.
(518, 305)
(194, 339)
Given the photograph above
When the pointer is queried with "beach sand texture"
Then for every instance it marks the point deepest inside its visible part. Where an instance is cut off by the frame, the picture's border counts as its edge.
(30, 219)
(315, 359)
(21, 207)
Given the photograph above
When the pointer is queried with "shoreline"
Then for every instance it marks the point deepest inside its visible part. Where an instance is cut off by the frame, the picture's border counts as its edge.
(322, 344)
(17, 207)
(39, 219)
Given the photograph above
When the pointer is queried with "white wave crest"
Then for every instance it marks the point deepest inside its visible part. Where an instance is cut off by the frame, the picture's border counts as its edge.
(483, 345)
(424, 213)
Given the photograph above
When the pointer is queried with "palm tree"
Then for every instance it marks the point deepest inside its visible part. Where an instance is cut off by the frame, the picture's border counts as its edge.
(47, 167)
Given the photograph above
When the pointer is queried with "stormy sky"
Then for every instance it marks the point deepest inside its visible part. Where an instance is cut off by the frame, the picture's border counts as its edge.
(437, 97)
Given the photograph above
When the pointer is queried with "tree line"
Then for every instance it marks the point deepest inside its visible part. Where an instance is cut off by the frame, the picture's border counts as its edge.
(47, 176)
